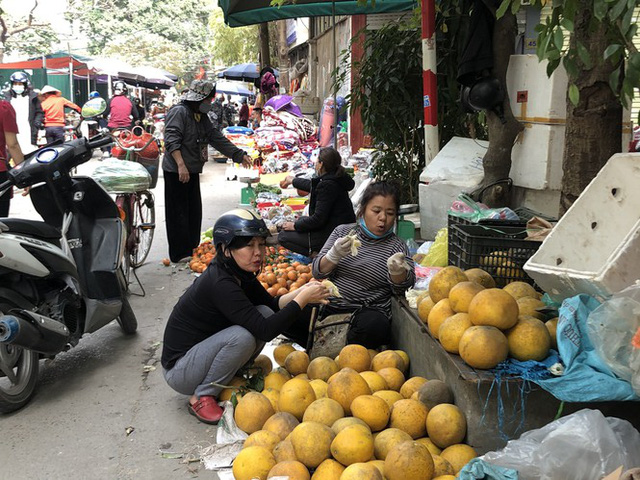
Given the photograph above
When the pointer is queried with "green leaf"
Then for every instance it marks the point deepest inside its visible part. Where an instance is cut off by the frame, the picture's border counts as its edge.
(614, 79)
(626, 21)
(617, 9)
(558, 38)
(515, 7)
(583, 53)
(611, 50)
(634, 61)
(567, 24)
(599, 9)
(551, 66)
(574, 94)
(553, 55)
(570, 66)
(502, 9)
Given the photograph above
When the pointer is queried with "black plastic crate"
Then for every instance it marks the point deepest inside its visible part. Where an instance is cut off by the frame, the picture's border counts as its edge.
(501, 251)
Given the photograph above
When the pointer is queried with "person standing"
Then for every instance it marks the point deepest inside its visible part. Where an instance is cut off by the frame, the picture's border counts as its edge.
(120, 110)
(188, 132)
(217, 111)
(140, 108)
(29, 113)
(243, 115)
(9, 150)
(53, 105)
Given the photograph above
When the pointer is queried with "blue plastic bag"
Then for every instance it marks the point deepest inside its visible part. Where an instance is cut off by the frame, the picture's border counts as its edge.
(586, 377)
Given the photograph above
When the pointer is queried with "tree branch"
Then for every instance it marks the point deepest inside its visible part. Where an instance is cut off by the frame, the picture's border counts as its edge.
(26, 27)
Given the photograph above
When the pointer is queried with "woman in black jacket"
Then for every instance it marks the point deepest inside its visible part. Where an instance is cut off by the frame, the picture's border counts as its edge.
(329, 205)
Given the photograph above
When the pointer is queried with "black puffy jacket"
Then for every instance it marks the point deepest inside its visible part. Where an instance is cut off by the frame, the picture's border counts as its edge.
(329, 205)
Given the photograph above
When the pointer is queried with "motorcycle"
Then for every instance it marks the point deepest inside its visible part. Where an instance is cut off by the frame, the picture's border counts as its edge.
(62, 277)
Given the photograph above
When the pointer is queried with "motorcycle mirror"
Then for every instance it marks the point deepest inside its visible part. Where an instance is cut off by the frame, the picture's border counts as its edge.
(94, 107)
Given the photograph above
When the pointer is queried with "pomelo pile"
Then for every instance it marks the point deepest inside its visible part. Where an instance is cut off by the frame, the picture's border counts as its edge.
(353, 417)
(202, 256)
(485, 324)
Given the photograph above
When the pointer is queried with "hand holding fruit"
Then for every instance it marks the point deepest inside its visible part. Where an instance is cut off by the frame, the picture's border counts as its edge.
(313, 292)
(286, 182)
(397, 264)
(340, 249)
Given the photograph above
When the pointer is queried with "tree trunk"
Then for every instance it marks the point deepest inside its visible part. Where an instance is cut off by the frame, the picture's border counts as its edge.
(497, 160)
(594, 126)
(283, 55)
(265, 57)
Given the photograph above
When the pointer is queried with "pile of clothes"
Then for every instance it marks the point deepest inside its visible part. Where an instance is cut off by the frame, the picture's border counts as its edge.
(285, 139)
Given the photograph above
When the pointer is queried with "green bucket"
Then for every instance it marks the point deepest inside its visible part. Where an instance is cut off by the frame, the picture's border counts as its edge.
(406, 229)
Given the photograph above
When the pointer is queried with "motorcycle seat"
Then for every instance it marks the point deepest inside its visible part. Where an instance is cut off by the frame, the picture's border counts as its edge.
(32, 228)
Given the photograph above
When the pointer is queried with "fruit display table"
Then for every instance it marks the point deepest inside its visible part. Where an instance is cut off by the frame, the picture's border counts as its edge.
(495, 412)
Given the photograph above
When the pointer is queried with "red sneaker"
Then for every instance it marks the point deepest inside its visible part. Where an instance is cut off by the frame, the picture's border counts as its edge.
(207, 410)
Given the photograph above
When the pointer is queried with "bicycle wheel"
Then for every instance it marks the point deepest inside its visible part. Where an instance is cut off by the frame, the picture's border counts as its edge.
(143, 224)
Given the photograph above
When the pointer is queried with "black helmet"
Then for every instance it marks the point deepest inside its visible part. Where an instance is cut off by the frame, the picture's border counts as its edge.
(120, 85)
(19, 77)
(485, 94)
(238, 223)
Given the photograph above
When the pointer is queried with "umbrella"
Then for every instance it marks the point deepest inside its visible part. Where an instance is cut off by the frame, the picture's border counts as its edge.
(231, 88)
(247, 72)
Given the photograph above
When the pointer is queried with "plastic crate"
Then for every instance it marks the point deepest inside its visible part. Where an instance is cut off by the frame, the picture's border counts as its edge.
(501, 251)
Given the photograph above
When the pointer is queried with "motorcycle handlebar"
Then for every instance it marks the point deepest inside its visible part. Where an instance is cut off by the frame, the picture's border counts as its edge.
(99, 142)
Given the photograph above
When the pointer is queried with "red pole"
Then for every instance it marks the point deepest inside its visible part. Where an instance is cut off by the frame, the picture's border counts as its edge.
(429, 82)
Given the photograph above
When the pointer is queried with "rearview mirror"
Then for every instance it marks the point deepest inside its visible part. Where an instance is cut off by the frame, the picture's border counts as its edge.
(94, 107)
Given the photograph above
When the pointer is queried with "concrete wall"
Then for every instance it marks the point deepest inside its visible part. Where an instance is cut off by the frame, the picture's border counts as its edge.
(325, 62)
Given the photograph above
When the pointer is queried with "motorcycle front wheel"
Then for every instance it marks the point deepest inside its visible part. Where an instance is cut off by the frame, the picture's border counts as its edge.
(127, 318)
(18, 374)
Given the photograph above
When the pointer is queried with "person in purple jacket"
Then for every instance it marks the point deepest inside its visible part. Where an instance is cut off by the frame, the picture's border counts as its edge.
(224, 319)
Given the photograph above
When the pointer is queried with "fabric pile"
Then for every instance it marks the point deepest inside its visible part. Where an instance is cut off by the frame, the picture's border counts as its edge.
(285, 139)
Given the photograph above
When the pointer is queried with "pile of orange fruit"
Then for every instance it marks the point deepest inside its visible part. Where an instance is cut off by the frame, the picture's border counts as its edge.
(282, 278)
(202, 256)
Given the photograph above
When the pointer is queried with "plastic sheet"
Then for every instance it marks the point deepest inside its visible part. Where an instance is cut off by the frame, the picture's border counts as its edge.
(437, 256)
(121, 176)
(584, 445)
(611, 328)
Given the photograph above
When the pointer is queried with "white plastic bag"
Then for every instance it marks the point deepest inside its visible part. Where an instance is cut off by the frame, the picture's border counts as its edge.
(581, 446)
(611, 328)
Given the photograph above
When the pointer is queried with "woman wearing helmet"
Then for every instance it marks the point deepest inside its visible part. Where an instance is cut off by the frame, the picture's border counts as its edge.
(224, 319)
(29, 113)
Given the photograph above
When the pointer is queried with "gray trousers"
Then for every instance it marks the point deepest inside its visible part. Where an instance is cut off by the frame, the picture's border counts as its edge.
(215, 360)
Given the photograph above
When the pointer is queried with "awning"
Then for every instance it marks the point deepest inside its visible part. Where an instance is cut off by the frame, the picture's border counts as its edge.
(238, 13)
(53, 63)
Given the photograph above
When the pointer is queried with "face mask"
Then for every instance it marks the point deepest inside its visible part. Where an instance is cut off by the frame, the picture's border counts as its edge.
(204, 107)
(118, 92)
(18, 89)
(370, 234)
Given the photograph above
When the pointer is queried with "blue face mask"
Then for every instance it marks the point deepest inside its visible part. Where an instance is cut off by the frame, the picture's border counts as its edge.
(370, 234)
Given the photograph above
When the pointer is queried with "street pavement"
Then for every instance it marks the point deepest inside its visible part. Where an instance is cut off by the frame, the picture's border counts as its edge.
(103, 410)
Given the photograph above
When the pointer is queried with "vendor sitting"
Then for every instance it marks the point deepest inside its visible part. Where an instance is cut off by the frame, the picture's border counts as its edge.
(224, 319)
(368, 263)
(329, 205)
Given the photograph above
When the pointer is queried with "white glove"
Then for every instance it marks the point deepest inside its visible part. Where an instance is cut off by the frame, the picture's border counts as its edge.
(340, 249)
(397, 264)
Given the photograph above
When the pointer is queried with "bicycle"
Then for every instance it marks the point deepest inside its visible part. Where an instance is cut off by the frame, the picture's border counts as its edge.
(137, 211)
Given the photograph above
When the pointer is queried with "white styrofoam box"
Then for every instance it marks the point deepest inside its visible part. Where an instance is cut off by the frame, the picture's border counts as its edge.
(435, 200)
(546, 96)
(595, 247)
(537, 157)
(459, 161)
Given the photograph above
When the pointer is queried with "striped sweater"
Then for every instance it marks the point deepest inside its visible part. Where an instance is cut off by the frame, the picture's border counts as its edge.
(364, 280)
